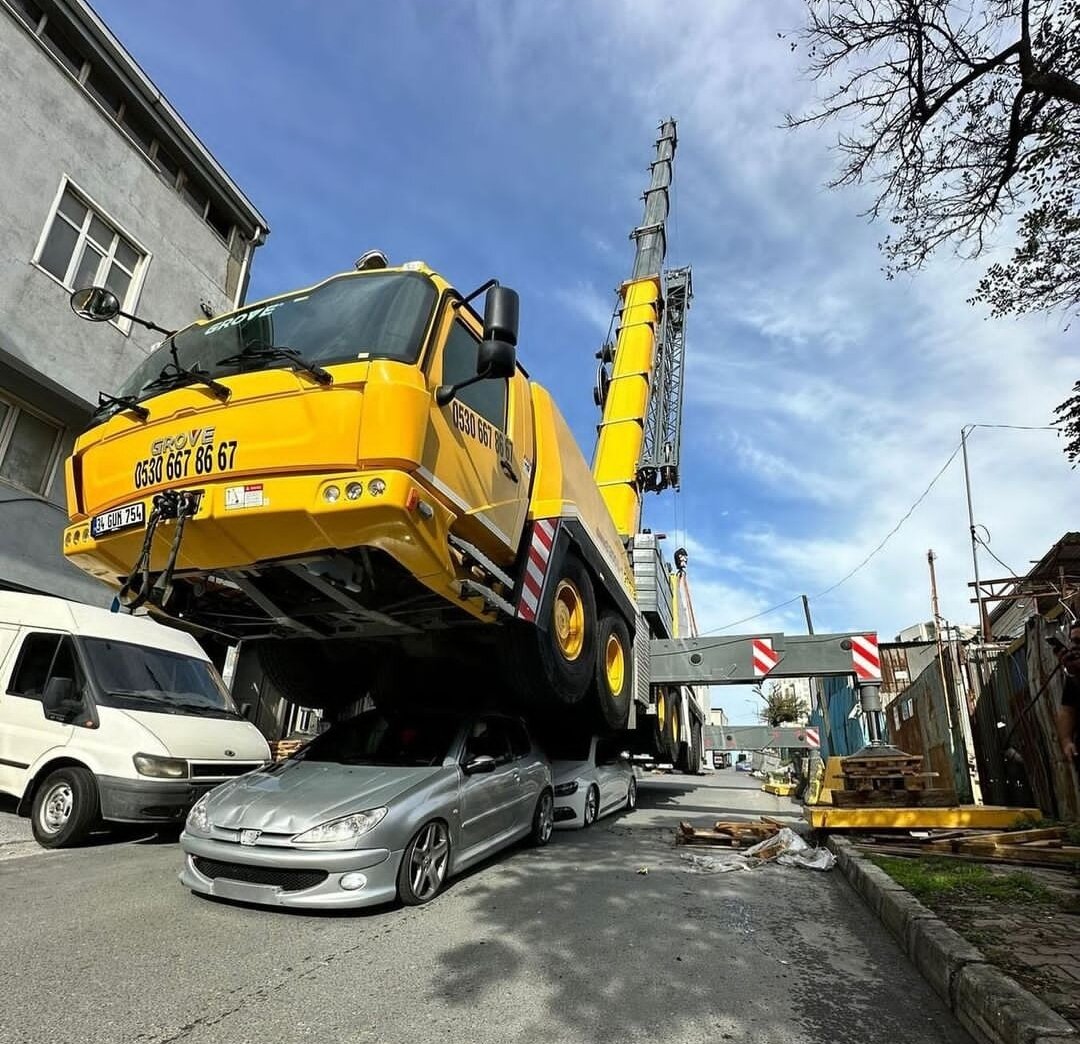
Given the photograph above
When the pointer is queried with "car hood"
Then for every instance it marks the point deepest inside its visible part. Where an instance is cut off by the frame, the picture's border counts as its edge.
(564, 771)
(296, 795)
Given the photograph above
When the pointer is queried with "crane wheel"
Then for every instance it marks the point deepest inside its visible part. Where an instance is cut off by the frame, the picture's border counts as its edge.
(551, 664)
(614, 673)
(673, 727)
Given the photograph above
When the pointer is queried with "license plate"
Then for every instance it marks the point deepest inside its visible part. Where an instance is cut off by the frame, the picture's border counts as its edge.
(119, 518)
(242, 892)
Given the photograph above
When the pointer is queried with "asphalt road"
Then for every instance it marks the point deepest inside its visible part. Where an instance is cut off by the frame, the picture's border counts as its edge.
(569, 943)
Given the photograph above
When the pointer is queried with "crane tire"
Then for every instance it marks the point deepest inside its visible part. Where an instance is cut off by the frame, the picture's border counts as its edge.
(550, 663)
(613, 680)
(673, 727)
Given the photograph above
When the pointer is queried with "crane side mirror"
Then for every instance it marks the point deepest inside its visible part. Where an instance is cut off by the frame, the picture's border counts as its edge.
(496, 359)
(95, 304)
(501, 315)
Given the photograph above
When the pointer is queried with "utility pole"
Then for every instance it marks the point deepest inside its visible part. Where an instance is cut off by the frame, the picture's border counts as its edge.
(984, 619)
(806, 610)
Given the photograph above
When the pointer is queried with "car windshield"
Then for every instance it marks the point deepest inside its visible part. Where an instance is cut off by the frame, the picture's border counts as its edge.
(374, 738)
(366, 315)
(134, 677)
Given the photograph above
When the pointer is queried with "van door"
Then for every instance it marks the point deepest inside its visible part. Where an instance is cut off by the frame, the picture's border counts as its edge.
(468, 456)
(26, 733)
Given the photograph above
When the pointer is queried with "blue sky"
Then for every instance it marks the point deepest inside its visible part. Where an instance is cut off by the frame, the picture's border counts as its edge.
(512, 139)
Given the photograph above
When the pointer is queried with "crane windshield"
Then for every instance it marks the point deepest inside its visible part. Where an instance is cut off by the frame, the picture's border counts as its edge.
(378, 315)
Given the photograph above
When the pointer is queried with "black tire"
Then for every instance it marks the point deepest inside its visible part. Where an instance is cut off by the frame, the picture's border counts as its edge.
(592, 798)
(65, 807)
(408, 891)
(660, 723)
(673, 727)
(631, 794)
(697, 750)
(543, 820)
(316, 674)
(536, 666)
(613, 641)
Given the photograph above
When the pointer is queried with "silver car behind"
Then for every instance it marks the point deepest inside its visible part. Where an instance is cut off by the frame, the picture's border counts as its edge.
(383, 806)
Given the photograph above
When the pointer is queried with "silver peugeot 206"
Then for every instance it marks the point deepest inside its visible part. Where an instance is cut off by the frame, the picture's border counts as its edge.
(385, 805)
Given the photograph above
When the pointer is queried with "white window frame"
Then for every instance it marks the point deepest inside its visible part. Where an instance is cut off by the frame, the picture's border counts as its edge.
(7, 427)
(138, 277)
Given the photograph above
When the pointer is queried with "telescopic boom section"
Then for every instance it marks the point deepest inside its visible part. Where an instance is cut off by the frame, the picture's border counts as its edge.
(621, 437)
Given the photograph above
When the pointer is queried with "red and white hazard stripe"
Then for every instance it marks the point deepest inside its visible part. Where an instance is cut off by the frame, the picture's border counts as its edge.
(865, 658)
(765, 657)
(813, 738)
(536, 566)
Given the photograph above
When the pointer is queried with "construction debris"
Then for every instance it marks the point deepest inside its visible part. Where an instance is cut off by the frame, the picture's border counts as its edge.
(889, 779)
(281, 749)
(1044, 846)
(769, 842)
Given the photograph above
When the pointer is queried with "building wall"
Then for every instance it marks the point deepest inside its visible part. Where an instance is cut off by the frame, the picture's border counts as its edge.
(51, 361)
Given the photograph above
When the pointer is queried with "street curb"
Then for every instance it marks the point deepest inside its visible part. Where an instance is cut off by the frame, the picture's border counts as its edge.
(993, 1008)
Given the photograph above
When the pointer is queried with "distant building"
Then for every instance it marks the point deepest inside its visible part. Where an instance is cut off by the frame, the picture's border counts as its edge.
(717, 717)
(104, 183)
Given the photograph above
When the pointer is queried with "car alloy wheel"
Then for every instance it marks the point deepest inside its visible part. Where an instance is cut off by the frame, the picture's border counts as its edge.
(429, 860)
(592, 806)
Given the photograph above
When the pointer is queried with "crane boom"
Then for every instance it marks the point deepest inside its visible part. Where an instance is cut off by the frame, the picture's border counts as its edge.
(637, 446)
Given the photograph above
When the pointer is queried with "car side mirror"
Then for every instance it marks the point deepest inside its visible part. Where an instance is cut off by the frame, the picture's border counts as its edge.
(481, 763)
(59, 701)
(95, 304)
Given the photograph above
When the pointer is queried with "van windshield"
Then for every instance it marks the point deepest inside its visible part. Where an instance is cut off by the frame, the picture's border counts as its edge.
(377, 315)
(134, 677)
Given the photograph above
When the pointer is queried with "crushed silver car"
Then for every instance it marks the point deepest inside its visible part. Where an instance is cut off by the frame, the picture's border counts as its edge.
(383, 806)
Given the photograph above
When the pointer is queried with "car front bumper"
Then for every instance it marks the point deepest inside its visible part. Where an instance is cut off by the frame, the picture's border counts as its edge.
(570, 810)
(377, 866)
(148, 800)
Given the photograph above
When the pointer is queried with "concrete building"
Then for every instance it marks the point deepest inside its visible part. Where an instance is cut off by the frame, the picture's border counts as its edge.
(103, 183)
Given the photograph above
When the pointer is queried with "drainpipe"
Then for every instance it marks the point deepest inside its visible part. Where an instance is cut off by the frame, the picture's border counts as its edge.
(256, 240)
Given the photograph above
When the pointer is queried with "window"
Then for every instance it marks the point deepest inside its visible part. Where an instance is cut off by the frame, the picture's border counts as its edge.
(32, 670)
(66, 52)
(106, 90)
(488, 398)
(488, 738)
(520, 743)
(83, 249)
(29, 12)
(28, 447)
(194, 196)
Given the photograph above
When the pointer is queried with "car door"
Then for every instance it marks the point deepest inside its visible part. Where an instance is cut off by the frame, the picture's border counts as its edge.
(528, 775)
(25, 733)
(609, 773)
(487, 798)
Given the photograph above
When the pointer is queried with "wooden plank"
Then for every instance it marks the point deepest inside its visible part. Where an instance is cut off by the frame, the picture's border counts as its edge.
(1024, 856)
(1018, 837)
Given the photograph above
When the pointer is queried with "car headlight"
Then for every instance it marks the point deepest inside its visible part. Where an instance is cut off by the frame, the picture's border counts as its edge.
(341, 831)
(160, 768)
(566, 789)
(198, 820)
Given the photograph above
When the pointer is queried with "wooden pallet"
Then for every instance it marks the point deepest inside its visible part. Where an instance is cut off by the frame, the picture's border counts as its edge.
(728, 833)
(280, 749)
(894, 798)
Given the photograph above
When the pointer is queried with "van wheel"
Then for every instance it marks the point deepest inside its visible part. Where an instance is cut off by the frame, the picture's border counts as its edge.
(64, 808)
(614, 673)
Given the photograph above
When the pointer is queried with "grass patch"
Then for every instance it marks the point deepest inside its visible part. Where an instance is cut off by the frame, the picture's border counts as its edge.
(936, 880)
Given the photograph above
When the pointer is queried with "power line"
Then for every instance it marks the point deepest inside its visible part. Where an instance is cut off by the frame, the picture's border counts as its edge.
(844, 579)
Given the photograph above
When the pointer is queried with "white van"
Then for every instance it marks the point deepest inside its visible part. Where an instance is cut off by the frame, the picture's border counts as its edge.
(106, 716)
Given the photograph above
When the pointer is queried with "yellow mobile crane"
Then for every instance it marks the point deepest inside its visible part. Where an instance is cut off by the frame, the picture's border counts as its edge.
(360, 479)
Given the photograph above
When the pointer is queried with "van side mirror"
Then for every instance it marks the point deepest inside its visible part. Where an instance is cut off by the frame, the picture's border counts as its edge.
(59, 700)
(245, 711)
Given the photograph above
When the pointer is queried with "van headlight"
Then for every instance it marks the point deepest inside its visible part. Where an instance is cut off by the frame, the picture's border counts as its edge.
(198, 820)
(160, 768)
(341, 831)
